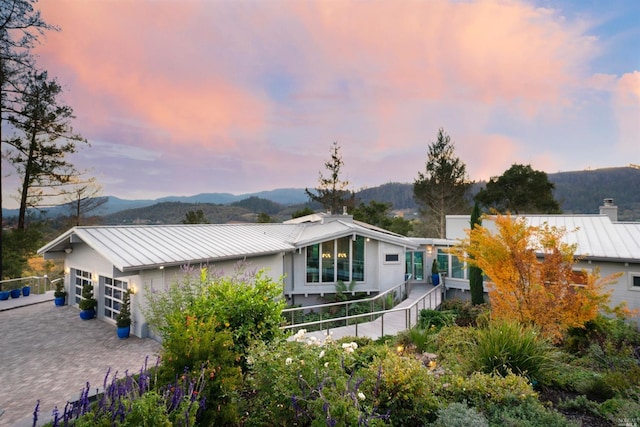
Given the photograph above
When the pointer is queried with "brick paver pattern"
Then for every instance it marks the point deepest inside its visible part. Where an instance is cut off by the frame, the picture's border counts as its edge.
(49, 353)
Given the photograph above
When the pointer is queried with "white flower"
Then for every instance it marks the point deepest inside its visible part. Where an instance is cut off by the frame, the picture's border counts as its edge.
(288, 361)
(299, 336)
(321, 354)
(349, 347)
(326, 364)
(361, 395)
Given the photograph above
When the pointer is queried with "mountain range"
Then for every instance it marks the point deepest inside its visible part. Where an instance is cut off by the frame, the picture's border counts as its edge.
(579, 192)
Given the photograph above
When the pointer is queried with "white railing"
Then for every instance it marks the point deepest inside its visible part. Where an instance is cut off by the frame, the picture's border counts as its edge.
(399, 292)
(38, 284)
(411, 314)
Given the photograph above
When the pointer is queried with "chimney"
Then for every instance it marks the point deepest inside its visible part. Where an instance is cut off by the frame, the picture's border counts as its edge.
(609, 209)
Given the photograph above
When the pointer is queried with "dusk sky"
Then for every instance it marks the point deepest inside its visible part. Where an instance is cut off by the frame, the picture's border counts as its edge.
(187, 97)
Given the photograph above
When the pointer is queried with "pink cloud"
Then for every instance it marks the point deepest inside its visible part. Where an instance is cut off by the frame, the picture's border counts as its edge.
(194, 82)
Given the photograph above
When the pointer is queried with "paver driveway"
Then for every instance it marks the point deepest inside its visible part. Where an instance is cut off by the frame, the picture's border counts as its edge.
(49, 353)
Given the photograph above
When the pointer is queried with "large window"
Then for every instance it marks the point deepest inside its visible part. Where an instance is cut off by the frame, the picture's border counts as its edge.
(443, 261)
(336, 260)
(328, 261)
(357, 265)
(457, 268)
(81, 278)
(114, 290)
(313, 263)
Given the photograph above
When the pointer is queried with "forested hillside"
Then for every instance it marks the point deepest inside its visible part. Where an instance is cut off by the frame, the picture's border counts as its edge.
(579, 192)
(175, 213)
(582, 192)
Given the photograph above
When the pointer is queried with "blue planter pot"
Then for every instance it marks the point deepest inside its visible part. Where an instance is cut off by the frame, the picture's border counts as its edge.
(15, 293)
(26, 290)
(435, 279)
(123, 332)
(4, 295)
(87, 314)
(59, 301)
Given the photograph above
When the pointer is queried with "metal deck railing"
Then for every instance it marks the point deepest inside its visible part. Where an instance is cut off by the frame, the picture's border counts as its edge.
(387, 322)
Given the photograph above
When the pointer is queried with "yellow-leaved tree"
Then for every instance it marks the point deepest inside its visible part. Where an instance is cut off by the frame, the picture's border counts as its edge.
(532, 276)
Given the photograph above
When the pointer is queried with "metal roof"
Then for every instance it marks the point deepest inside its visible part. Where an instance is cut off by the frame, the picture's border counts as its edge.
(596, 236)
(145, 246)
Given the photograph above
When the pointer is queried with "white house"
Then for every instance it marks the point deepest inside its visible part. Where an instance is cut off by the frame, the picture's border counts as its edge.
(312, 253)
(602, 241)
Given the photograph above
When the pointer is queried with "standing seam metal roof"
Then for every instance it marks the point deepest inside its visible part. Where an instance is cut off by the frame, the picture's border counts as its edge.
(596, 236)
(133, 247)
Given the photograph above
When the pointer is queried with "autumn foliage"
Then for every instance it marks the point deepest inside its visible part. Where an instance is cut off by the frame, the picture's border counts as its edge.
(532, 277)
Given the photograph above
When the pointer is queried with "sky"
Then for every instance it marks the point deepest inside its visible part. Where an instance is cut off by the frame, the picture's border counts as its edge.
(202, 96)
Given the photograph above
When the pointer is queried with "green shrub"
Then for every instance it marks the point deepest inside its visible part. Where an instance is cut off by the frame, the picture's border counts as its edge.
(455, 346)
(510, 347)
(529, 413)
(148, 411)
(421, 339)
(466, 313)
(460, 415)
(435, 318)
(482, 390)
(404, 389)
(621, 410)
(309, 382)
(602, 330)
(580, 403)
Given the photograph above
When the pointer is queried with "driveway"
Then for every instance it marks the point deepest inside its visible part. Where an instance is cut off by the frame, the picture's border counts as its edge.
(49, 353)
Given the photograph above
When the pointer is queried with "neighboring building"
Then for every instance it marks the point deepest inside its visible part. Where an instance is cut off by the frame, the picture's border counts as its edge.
(311, 253)
(600, 240)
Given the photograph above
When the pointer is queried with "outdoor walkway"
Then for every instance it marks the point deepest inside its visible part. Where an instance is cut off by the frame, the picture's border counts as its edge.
(49, 353)
(392, 323)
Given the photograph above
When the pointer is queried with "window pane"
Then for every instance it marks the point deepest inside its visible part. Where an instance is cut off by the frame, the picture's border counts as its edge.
(328, 262)
(357, 266)
(313, 262)
(636, 281)
(443, 261)
(457, 268)
(418, 265)
(344, 259)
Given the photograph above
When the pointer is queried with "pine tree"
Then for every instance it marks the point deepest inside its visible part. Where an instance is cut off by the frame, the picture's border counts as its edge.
(332, 192)
(442, 189)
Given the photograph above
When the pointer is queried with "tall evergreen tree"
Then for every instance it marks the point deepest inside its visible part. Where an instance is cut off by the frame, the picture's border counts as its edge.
(42, 139)
(442, 189)
(20, 29)
(332, 192)
(475, 273)
(521, 189)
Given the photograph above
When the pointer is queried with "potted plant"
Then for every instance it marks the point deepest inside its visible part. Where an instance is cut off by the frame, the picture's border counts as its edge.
(4, 295)
(15, 293)
(88, 303)
(59, 295)
(123, 319)
(435, 274)
(26, 290)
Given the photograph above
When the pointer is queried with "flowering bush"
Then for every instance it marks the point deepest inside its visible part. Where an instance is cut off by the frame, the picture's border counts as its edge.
(135, 400)
(309, 381)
